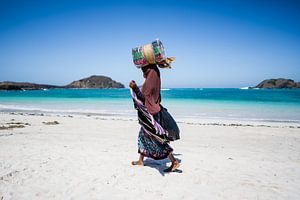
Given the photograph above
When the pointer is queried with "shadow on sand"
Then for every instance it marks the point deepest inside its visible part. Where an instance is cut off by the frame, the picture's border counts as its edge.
(161, 165)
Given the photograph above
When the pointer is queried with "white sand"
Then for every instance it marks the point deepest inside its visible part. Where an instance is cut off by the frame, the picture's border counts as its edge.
(88, 158)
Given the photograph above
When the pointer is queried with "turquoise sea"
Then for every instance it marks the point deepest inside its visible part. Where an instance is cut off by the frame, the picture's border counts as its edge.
(196, 103)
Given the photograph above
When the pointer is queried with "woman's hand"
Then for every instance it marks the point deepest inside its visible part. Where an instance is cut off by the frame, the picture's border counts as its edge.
(132, 84)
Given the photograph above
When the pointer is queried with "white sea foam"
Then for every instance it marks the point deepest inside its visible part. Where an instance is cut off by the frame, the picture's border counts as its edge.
(244, 88)
(23, 108)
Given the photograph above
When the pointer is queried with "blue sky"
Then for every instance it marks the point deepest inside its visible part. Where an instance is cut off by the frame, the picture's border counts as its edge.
(217, 43)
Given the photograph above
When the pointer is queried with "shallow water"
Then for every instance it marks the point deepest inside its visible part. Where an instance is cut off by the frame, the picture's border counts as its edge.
(203, 103)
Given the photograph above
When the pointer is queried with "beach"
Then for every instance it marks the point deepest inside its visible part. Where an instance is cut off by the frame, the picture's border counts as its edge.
(87, 85)
(56, 156)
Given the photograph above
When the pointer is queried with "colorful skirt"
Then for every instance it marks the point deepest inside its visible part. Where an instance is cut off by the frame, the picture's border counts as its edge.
(150, 147)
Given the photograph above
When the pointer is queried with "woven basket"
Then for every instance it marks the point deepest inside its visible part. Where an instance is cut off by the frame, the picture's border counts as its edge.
(153, 53)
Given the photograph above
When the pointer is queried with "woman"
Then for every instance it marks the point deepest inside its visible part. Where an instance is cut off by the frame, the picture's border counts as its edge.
(150, 95)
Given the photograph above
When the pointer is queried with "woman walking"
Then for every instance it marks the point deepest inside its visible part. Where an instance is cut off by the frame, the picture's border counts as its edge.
(153, 138)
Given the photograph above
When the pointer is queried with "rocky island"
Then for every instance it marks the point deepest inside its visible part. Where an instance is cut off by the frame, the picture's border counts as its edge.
(90, 82)
(95, 82)
(279, 83)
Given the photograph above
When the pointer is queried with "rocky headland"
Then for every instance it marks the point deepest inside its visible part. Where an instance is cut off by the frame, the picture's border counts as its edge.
(90, 82)
(279, 83)
(9, 85)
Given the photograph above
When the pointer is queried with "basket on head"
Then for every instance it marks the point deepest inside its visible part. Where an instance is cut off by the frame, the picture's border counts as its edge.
(153, 53)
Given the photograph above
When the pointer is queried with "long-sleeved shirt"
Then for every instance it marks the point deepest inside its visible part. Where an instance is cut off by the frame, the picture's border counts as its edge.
(150, 93)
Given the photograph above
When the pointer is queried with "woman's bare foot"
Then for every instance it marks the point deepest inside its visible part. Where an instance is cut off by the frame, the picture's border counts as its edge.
(140, 163)
(175, 165)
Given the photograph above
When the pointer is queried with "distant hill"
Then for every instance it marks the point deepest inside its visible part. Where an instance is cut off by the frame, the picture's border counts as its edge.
(8, 85)
(90, 82)
(95, 82)
(278, 83)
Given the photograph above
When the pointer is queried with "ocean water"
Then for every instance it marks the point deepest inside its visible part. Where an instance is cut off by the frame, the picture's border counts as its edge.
(195, 103)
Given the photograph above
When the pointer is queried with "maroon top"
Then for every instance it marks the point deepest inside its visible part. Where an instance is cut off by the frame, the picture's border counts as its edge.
(151, 88)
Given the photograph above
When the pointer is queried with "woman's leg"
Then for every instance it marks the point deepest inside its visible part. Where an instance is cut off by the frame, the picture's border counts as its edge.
(139, 162)
(175, 163)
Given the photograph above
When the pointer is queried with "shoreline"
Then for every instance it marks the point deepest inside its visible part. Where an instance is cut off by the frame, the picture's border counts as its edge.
(190, 121)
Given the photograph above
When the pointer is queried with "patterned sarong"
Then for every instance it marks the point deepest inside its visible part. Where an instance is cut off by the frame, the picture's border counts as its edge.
(152, 139)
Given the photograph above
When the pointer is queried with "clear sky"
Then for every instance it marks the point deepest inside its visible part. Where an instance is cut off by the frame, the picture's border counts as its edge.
(217, 43)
